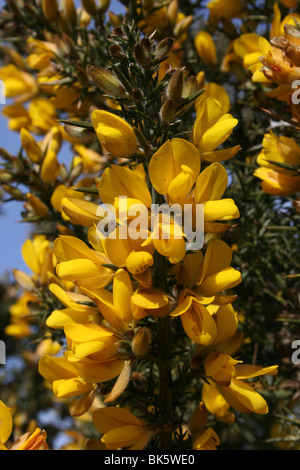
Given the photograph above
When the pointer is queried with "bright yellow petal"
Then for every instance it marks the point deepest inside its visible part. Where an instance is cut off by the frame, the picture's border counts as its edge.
(6, 423)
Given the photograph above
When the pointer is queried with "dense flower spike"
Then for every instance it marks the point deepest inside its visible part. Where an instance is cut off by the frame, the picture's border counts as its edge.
(143, 134)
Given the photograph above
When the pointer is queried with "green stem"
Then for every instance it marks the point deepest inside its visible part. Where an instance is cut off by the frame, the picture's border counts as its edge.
(164, 350)
(165, 385)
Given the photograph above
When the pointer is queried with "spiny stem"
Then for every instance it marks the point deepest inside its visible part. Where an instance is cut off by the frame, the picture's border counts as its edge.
(164, 342)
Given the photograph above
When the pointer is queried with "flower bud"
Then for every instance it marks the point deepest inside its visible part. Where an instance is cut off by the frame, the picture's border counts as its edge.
(182, 26)
(190, 87)
(173, 9)
(14, 192)
(175, 86)
(31, 147)
(206, 48)
(90, 6)
(70, 12)
(6, 176)
(50, 9)
(114, 19)
(79, 134)
(116, 52)
(141, 341)
(146, 43)
(106, 81)
(168, 111)
(141, 55)
(104, 4)
(37, 205)
(137, 95)
(163, 48)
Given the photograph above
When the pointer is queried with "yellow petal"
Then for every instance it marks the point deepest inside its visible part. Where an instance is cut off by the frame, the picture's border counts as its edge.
(6, 423)
(199, 325)
(211, 183)
(80, 212)
(119, 181)
(244, 398)
(106, 419)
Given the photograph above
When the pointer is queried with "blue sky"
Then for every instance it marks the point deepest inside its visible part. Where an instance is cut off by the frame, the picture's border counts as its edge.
(12, 232)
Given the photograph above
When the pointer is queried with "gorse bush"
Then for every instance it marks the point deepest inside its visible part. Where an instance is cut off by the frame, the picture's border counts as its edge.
(159, 172)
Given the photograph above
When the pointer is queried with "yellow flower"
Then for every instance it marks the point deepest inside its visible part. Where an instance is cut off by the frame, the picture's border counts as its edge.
(116, 306)
(229, 375)
(76, 209)
(121, 429)
(38, 118)
(224, 9)
(276, 183)
(208, 274)
(18, 83)
(50, 168)
(6, 425)
(19, 326)
(249, 48)
(206, 48)
(89, 343)
(80, 264)
(215, 403)
(212, 127)
(63, 376)
(218, 93)
(197, 321)
(281, 150)
(279, 160)
(173, 169)
(31, 147)
(91, 161)
(117, 181)
(34, 441)
(209, 189)
(114, 133)
(76, 309)
(204, 438)
(217, 274)
(39, 257)
(41, 53)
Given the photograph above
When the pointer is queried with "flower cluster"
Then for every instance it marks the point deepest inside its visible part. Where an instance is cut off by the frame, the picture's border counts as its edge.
(131, 291)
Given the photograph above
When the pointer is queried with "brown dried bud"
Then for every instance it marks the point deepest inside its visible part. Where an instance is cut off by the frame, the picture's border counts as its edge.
(116, 52)
(141, 55)
(168, 111)
(175, 86)
(118, 31)
(106, 81)
(163, 48)
(141, 341)
(146, 43)
(137, 94)
(79, 134)
(190, 87)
